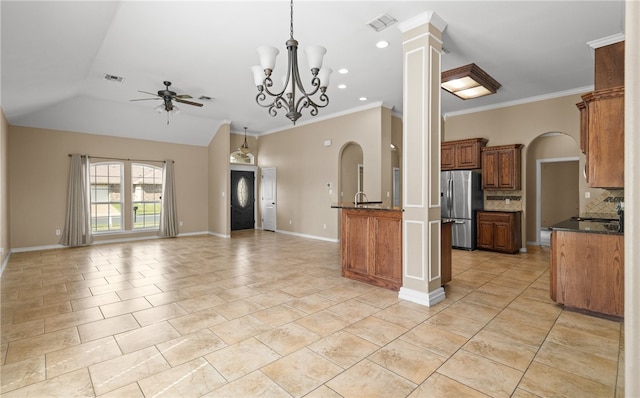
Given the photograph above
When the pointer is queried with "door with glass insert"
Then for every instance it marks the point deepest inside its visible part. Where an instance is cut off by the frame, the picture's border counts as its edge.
(242, 200)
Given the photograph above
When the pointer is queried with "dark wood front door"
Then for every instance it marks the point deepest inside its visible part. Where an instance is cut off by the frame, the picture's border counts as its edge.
(242, 200)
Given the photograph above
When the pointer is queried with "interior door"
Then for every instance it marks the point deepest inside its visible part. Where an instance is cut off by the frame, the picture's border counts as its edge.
(268, 199)
(242, 200)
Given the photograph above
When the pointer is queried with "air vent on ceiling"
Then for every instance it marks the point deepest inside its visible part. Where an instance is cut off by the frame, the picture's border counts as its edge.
(205, 98)
(382, 22)
(113, 78)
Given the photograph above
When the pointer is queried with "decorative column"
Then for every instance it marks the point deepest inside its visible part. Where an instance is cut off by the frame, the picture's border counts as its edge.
(422, 45)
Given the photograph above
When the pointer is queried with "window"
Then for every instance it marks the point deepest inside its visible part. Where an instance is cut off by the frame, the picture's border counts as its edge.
(106, 196)
(146, 182)
(115, 209)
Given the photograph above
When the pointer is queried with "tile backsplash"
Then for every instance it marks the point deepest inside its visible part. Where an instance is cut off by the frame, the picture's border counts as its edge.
(606, 202)
(497, 200)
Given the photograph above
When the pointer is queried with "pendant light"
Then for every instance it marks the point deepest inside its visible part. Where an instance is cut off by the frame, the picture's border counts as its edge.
(245, 147)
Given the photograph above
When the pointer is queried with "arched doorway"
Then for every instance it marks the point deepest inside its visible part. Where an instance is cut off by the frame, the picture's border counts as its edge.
(351, 171)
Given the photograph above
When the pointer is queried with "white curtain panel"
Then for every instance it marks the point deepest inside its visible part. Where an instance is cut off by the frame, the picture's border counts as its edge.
(77, 225)
(168, 214)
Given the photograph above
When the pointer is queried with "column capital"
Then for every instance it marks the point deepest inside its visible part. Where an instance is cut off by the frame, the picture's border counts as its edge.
(428, 17)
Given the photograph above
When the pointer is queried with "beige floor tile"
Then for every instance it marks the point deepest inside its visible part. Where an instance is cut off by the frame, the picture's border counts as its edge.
(288, 338)
(496, 347)
(240, 329)
(124, 307)
(272, 298)
(56, 298)
(495, 379)
(129, 391)
(402, 316)
(241, 358)
(353, 310)
(255, 384)
(324, 322)
(146, 336)
(238, 308)
(546, 381)
(99, 290)
(192, 379)
(300, 290)
(580, 363)
(591, 325)
(376, 330)
(201, 303)
(436, 340)
(41, 312)
(341, 293)
(301, 372)
(278, 315)
(517, 332)
(22, 373)
(197, 321)
(70, 319)
(190, 346)
(323, 392)
(21, 330)
(474, 311)
(81, 356)
(440, 386)
(123, 370)
(311, 304)
(407, 360)
(19, 350)
(450, 322)
(343, 348)
(159, 314)
(585, 342)
(381, 298)
(74, 384)
(94, 301)
(107, 327)
(367, 379)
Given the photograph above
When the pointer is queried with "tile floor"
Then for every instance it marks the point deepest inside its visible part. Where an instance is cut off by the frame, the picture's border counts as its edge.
(266, 314)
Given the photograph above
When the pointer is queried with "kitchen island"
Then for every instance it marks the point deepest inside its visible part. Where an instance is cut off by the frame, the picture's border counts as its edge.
(371, 244)
(587, 265)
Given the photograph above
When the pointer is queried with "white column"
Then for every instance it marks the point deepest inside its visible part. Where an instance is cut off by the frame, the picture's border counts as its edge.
(422, 45)
(632, 199)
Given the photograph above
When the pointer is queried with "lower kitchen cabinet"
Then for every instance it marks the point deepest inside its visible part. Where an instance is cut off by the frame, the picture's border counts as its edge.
(587, 271)
(372, 246)
(499, 231)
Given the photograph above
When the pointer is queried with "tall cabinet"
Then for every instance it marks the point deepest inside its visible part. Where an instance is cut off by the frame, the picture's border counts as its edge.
(501, 167)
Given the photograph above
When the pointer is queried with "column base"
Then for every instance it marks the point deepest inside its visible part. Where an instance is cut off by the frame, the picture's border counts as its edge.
(422, 298)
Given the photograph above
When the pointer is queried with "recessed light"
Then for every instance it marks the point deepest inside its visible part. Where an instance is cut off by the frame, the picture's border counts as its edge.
(362, 98)
(342, 86)
(343, 71)
(382, 44)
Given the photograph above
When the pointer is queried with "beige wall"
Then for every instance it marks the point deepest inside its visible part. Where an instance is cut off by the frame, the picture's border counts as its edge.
(5, 236)
(521, 124)
(304, 166)
(218, 182)
(38, 175)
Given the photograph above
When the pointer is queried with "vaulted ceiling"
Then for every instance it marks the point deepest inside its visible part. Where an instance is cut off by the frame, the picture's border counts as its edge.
(55, 55)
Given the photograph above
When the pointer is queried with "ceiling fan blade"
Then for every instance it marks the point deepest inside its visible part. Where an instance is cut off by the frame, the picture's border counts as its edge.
(146, 92)
(144, 99)
(187, 102)
(182, 96)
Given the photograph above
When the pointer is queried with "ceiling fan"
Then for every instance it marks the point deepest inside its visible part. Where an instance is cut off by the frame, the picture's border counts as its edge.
(168, 97)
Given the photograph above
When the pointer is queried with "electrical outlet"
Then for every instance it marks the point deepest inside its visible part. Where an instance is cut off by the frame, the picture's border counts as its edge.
(331, 192)
(324, 226)
(507, 201)
(587, 194)
(180, 223)
(290, 222)
(57, 232)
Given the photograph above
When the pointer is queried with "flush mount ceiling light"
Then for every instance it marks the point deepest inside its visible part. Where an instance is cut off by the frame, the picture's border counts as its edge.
(468, 82)
(292, 82)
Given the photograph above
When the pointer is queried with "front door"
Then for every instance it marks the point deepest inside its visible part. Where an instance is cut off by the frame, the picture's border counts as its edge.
(242, 200)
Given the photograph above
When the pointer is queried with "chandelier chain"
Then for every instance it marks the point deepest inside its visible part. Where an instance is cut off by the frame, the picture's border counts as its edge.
(291, 19)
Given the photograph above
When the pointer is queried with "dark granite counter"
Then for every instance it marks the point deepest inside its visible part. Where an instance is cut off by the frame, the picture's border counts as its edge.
(592, 223)
(366, 206)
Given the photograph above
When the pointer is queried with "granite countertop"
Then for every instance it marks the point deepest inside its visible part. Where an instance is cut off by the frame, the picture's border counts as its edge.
(366, 206)
(590, 223)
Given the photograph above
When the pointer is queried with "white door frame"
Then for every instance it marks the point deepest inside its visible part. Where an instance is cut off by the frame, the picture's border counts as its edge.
(539, 188)
(275, 207)
(254, 169)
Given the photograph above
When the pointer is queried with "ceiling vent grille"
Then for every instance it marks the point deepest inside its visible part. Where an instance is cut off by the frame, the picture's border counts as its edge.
(113, 78)
(205, 98)
(382, 22)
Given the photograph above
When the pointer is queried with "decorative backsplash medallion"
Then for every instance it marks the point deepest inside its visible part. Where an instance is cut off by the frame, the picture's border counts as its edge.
(606, 202)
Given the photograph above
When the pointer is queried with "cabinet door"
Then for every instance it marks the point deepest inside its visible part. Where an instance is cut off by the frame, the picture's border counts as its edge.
(606, 142)
(467, 155)
(502, 236)
(490, 170)
(485, 234)
(387, 249)
(506, 169)
(448, 157)
(355, 251)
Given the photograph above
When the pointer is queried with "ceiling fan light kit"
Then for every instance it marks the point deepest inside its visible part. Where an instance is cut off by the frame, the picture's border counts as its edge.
(468, 82)
(288, 98)
(168, 96)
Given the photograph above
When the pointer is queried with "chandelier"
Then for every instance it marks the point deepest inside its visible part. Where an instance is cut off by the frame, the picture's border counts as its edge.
(244, 148)
(293, 97)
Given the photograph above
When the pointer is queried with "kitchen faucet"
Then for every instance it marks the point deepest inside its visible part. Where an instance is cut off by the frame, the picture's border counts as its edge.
(362, 195)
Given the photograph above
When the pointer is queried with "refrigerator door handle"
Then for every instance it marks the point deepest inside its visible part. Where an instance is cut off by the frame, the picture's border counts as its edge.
(458, 222)
(451, 195)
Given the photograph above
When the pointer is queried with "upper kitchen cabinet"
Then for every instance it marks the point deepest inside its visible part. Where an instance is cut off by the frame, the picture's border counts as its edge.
(462, 154)
(602, 120)
(501, 167)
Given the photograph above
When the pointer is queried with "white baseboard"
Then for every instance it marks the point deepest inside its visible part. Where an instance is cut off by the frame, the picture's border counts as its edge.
(219, 235)
(4, 263)
(422, 298)
(308, 236)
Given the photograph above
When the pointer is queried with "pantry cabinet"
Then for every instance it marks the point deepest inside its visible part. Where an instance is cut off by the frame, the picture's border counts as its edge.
(501, 167)
(462, 154)
(499, 231)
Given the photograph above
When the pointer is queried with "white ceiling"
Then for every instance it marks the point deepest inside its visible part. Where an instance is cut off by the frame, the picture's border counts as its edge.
(55, 55)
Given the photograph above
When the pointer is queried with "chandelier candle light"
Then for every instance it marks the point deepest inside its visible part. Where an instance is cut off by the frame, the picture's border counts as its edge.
(288, 97)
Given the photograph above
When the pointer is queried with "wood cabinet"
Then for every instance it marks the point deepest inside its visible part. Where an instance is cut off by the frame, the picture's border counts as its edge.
(372, 246)
(499, 231)
(501, 167)
(602, 120)
(461, 154)
(587, 271)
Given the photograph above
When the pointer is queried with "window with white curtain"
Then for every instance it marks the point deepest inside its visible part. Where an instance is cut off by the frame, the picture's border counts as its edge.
(106, 196)
(146, 183)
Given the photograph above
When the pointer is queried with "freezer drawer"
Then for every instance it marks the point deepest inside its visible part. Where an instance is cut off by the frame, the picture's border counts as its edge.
(464, 234)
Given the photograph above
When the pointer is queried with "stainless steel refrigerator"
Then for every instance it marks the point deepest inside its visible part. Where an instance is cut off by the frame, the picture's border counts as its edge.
(460, 198)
